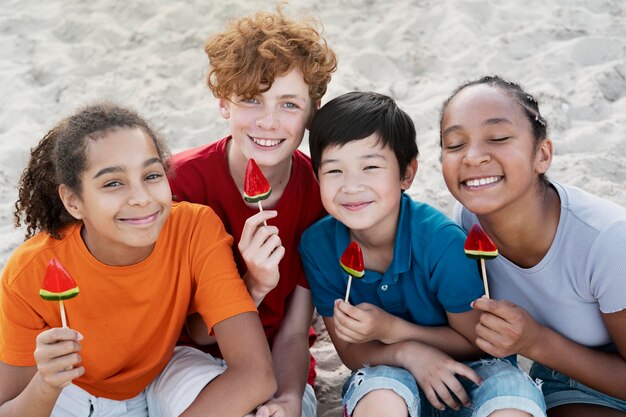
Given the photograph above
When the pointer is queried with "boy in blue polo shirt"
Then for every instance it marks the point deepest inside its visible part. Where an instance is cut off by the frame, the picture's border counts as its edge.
(410, 320)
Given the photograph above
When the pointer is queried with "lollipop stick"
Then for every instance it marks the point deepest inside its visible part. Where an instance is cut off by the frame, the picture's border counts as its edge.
(63, 318)
(484, 273)
(348, 289)
(261, 209)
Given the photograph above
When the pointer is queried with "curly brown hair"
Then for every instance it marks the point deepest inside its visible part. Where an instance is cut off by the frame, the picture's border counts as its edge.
(61, 158)
(253, 50)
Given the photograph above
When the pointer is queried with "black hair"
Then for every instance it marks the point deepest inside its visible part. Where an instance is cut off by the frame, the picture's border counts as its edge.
(358, 115)
(61, 158)
(527, 102)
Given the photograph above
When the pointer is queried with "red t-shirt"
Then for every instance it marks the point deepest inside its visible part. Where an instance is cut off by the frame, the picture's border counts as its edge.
(201, 175)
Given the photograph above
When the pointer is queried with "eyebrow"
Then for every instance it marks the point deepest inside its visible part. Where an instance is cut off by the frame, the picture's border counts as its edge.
(292, 96)
(364, 157)
(488, 122)
(119, 168)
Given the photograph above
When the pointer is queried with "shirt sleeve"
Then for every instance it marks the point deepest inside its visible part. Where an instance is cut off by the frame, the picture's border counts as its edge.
(220, 292)
(323, 292)
(607, 268)
(19, 326)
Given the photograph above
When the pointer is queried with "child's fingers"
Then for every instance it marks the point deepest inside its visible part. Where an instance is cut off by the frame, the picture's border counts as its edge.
(56, 350)
(503, 309)
(59, 364)
(346, 334)
(346, 308)
(265, 256)
(277, 254)
(56, 334)
(433, 399)
(63, 378)
(253, 222)
(265, 235)
(467, 372)
(442, 390)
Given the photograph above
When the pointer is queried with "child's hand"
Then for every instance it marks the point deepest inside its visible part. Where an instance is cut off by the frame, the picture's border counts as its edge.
(362, 323)
(505, 329)
(281, 407)
(435, 373)
(57, 356)
(262, 250)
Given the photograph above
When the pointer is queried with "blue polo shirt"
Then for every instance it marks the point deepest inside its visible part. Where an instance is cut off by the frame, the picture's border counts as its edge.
(428, 276)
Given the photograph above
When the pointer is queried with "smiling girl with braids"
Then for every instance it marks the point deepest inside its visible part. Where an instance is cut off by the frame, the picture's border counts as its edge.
(558, 287)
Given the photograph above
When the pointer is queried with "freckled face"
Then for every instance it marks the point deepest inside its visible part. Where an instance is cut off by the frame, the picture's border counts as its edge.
(489, 160)
(270, 127)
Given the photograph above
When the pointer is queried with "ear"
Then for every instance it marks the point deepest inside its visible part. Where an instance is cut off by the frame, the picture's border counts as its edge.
(224, 107)
(543, 156)
(409, 175)
(71, 201)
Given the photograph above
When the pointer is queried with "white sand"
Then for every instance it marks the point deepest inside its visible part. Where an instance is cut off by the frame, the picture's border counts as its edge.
(55, 56)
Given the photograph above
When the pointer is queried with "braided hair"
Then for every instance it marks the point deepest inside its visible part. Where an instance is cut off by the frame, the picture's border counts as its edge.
(527, 102)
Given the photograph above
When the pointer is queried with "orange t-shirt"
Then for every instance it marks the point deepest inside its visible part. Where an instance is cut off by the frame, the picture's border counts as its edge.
(131, 316)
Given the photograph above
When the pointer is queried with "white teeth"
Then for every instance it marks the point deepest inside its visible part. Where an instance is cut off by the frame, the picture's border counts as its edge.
(481, 181)
(266, 142)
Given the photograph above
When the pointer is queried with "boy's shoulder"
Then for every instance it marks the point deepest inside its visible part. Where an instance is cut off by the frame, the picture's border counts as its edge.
(320, 231)
(199, 154)
(425, 221)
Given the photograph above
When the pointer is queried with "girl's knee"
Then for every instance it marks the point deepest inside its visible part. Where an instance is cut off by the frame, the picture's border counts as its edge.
(381, 402)
(510, 413)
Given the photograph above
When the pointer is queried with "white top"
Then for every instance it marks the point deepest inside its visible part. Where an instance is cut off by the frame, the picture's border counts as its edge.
(582, 275)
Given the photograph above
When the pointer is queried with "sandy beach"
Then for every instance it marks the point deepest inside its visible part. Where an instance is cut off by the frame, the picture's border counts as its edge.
(571, 54)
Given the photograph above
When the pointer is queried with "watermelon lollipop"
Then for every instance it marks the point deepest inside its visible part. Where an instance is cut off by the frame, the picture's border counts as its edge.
(58, 285)
(352, 262)
(479, 246)
(255, 186)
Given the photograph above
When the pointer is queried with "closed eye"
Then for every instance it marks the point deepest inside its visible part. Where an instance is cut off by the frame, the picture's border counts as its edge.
(454, 147)
(154, 176)
(332, 171)
(501, 139)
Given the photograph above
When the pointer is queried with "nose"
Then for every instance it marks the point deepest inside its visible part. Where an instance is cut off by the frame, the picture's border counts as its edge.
(352, 184)
(476, 155)
(139, 195)
(267, 120)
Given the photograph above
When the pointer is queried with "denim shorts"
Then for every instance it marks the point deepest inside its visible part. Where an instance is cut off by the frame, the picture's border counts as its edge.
(504, 386)
(559, 389)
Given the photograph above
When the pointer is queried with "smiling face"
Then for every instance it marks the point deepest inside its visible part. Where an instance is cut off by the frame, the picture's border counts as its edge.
(361, 184)
(125, 197)
(490, 159)
(270, 126)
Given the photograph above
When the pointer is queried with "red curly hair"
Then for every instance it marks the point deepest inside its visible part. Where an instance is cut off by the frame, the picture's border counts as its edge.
(253, 50)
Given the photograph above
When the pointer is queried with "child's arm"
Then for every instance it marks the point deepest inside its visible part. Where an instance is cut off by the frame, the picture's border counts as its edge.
(249, 378)
(261, 249)
(33, 390)
(291, 357)
(434, 371)
(507, 329)
(366, 322)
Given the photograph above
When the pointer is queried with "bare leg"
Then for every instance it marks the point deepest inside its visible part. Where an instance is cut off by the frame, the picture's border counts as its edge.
(381, 402)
